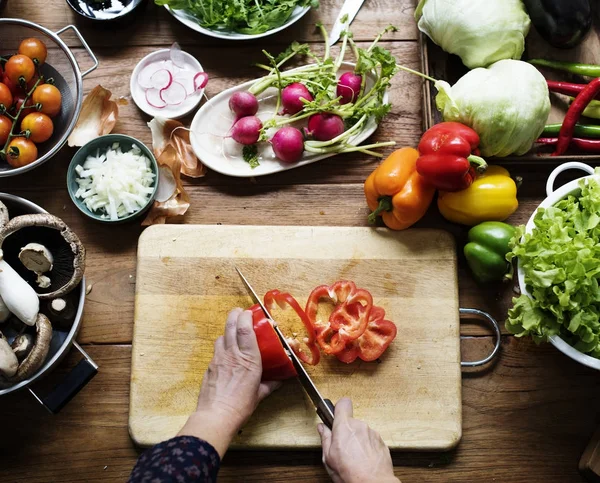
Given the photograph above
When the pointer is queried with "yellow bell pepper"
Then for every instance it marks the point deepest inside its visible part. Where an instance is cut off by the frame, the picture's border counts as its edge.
(491, 197)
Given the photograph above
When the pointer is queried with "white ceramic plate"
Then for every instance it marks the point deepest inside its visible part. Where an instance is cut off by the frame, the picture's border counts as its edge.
(138, 93)
(213, 121)
(191, 22)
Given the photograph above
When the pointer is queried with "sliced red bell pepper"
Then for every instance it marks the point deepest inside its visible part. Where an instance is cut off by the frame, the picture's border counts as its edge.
(342, 325)
(276, 364)
(374, 341)
(448, 157)
(285, 301)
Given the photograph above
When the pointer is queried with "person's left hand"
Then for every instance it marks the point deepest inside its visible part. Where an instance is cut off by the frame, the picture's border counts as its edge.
(232, 387)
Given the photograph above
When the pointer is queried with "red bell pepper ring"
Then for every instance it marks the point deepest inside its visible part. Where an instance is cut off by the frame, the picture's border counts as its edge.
(375, 340)
(276, 365)
(342, 325)
(285, 301)
(448, 157)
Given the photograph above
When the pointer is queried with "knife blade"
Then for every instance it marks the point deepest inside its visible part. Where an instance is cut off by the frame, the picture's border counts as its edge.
(324, 407)
(348, 10)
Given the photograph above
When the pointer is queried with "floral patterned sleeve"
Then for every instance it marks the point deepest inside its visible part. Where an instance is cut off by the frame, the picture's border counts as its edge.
(183, 459)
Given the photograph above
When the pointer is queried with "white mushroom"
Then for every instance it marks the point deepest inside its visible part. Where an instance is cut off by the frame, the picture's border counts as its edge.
(37, 258)
(8, 360)
(22, 345)
(4, 312)
(18, 295)
(61, 312)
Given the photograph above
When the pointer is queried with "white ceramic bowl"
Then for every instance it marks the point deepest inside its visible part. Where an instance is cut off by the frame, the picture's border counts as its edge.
(191, 22)
(138, 93)
(553, 197)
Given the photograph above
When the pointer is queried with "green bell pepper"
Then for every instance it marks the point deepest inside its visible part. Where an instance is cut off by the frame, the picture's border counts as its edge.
(487, 249)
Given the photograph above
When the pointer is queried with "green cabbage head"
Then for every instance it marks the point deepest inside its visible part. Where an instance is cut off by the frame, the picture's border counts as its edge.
(507, 104)
(480, 32)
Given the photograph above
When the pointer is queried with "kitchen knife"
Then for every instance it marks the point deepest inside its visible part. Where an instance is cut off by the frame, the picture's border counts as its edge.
(324, 407)
(347, 14)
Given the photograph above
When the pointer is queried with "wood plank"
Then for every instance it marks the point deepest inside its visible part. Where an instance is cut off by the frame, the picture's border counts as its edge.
(520, 424)
(153, 25)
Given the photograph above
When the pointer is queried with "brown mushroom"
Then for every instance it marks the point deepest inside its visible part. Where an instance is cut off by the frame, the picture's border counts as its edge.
(56, 237)
(8, 360)
(61, 312)
(39, 260)
(22, 345)
(38, 352)
(3, 214)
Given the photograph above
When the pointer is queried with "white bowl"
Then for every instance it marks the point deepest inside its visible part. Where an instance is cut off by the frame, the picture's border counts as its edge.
(138, 93)
(553, 197)
(191, 22)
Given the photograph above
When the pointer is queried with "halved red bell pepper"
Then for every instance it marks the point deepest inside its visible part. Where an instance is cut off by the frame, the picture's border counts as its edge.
(342, 325)
(448, 157)
(285, 301)
(276, 364)
(374, 341)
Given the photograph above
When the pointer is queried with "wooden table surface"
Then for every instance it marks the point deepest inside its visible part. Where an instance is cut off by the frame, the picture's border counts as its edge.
(527, 418)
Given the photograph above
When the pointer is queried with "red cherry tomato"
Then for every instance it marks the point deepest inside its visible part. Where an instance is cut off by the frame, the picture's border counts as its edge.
(19, 67)
(19, 102)
(5, 126)
(14, 88)
(35, 49)
(6, 97)
(49, 97)
(39, 125)
(21, 152)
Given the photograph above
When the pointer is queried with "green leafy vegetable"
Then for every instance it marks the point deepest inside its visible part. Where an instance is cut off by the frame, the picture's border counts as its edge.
(561, 263)
(242, 16)
(250, 155)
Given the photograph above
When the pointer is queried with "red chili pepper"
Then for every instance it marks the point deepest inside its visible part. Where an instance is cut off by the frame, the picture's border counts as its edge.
(340, 325)
(375, 340)
(575, 109)
(446, 158)
(588, 145)
(275, 298)
(276, 364)
(567, 88)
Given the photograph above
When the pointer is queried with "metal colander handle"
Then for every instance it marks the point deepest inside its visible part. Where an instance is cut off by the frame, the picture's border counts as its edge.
(85, 46)
(494, 324)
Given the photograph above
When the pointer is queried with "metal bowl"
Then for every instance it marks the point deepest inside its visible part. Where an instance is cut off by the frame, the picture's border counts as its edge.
(61, 339)
(68, 78)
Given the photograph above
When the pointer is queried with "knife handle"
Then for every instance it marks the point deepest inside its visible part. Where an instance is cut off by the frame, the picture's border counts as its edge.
(326, 410)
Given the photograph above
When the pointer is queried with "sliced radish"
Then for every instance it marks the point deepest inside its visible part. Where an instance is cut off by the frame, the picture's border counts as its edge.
(200, 80)
(186, 78)
(147, 72)
(174, 94)
(153, 98)
(177, 55)
(161, 79)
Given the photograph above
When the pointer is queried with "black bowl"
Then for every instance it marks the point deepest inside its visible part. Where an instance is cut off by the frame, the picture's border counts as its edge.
(105, 11)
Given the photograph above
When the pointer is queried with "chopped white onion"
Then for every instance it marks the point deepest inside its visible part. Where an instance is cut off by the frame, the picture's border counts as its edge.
(115, 184)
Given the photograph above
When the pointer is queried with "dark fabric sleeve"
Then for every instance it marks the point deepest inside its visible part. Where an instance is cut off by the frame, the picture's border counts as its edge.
(183, 459)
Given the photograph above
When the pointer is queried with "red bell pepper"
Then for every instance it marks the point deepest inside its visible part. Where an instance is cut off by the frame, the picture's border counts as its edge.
(285, 301)
(375, 340)
(448, 157)
(341, 325)
(276, 364)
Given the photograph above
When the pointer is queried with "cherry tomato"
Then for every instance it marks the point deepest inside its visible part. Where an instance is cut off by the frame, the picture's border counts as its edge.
(32, 82)
(6, 96)
(49, 97)
(19, 67)
(39, 125)
(5, 127)
(21, 152)
(35, 49)
(14, 88)
(19, 102)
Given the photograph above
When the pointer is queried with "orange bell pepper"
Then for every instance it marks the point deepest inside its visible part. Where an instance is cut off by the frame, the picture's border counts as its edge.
(396, 192)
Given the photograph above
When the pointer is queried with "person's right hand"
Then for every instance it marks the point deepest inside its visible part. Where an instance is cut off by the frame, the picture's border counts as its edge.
(353, 452)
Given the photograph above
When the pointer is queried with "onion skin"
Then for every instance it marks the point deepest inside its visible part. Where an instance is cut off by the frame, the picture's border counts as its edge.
(324, 126)
(291, 98)
(288, 144)
(246, 131)
(348, 87)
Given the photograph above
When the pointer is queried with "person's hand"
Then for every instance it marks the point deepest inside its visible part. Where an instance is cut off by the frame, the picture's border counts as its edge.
(353, 452)
(231, 388)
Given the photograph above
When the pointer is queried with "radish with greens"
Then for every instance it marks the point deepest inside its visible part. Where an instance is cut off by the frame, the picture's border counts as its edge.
(348, 87)
(243, 104)
(288, 144)
(293, 97)
(247, 130)
(324, 126)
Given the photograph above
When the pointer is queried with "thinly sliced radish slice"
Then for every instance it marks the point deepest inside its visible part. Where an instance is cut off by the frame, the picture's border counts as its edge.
(147, 72)
(153, 98)
(177, 55)
(161, 79)
(174, 94)
(200, 80)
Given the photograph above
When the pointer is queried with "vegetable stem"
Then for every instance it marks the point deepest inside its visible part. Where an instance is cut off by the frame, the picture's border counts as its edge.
(385, 204)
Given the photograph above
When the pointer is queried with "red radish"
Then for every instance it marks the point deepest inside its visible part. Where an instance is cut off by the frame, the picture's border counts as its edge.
(161, 79)
(288, 144)
(324, 126)
(348, 87)
(153, 98)
(243, 104)
(200, 80)
(147, 72)
(247, 130)
(291, 98)
(177, 55)
(174, 94)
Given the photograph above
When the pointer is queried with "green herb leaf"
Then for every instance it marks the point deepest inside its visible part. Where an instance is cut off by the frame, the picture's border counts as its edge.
(250, 154)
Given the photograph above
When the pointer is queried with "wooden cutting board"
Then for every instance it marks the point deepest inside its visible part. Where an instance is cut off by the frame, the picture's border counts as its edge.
(186, 284)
